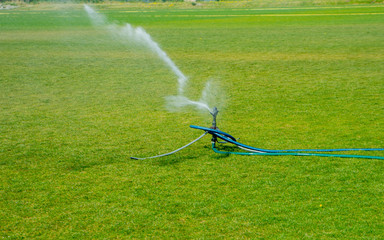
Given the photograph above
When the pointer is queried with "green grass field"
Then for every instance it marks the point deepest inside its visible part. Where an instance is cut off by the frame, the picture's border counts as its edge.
(75, 104)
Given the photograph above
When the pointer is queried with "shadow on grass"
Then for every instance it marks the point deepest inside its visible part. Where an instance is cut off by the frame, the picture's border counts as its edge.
(84, 161)
(77, 165)
(220, 156)
(173, 160)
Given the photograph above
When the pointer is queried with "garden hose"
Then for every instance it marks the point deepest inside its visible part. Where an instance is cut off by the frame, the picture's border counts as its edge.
(166, 154)
(227, 138)
(288, 152)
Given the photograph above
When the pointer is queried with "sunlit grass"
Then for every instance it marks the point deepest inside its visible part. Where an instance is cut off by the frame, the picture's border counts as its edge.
(76, 104)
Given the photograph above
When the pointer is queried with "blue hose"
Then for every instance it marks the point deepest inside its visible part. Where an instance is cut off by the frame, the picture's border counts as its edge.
(292, 152)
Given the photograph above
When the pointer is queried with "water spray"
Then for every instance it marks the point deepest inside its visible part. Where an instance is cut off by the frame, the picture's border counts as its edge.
(254, 151)
(129, 34)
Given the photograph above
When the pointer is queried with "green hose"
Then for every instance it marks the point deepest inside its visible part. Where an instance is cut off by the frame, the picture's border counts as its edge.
(295, 154)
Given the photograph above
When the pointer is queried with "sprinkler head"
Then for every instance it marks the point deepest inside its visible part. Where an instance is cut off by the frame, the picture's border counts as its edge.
(214, 115)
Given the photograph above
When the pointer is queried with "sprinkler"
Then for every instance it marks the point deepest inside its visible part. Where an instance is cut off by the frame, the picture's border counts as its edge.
(251, 151)
(214, 115)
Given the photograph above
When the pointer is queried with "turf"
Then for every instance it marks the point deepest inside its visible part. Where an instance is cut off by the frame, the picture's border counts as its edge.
(75, 104)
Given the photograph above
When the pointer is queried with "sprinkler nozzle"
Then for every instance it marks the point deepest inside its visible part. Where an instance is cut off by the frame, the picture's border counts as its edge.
(214, 115)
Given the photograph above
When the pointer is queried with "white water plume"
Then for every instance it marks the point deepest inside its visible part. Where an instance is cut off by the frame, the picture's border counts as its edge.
(207, 96)
(140, 36)
(181, 101)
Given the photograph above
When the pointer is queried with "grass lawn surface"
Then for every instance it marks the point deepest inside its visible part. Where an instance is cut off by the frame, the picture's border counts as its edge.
(76, 103)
